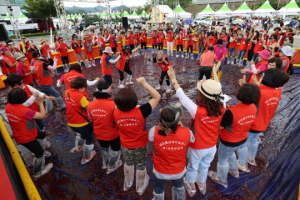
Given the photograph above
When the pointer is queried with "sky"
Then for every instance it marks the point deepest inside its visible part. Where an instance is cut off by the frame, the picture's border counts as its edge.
(127, 3)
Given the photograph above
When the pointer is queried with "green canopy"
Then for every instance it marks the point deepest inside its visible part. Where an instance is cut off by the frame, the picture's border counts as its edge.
(22, 16)
(117, 14)
(265, 8)
(125, 14)
(7, 16)
(206, 12)
(112, 14)
(79, 16)
(243, 9)
(134, 14)
(103, 15)
(143, 13)
(290, 9)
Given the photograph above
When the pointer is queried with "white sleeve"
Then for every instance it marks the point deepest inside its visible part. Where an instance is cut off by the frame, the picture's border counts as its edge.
(33, 90)
(58, 84)
(91, 83)
(192, 140)
(187, 102)
(29, 101)
(151, 133)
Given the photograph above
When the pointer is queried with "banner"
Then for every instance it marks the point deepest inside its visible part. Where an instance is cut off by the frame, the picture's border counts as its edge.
(10, 27)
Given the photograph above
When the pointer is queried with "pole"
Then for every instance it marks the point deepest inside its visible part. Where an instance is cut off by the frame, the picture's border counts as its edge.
(51, 41)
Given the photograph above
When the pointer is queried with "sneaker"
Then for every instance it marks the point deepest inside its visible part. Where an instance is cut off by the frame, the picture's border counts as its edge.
(190, 191)
(119, 164)
(169, 90)
(232, 62)
(44, 171)
(182, 56)
(129, 83)
(86, 160)
(235, 174)
(47, 154)
(121, 86)
(76, 149)
(243, 168)
(251, 162)
(214, 177)
(157, 87)
(177, 56)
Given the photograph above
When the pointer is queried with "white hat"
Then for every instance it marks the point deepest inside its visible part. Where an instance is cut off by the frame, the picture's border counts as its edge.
(287, 51)
(18, 55)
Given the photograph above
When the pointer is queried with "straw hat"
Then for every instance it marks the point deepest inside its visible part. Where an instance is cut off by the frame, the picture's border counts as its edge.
(42, 40)
(18, 55)
(26, 40)
(211, 89)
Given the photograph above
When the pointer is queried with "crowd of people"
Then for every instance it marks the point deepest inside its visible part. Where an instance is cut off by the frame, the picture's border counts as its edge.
(119, 124)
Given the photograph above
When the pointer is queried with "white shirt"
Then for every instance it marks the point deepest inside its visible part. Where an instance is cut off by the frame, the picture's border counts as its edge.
(167, 176)
(31, 99)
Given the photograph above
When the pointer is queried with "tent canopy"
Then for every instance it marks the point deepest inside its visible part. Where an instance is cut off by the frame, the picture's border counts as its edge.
(223, 11)
(243, 9)
(143, 13)
(265, 8)
(290, 9)
(179, 12)
(206, 12)
(125, 14)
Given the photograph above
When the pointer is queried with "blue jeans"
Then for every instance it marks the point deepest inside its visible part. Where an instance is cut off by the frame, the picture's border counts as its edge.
(200, 50)
(252, 140)
(159, 185)
(199, 162)
(50, 91)
(40, 124)
(255, 58)
(231, 52)
(227, 159)
(241, 55)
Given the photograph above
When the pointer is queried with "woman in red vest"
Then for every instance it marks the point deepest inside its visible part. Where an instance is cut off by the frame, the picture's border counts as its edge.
(62, 48)
(260, 67)
(29, 49)
(23, 125)
(154, 40)
(76, 107)
(161, 39)
(170, 39)
(75, 71)
(270, 96)
(285, 54)
(243, 40)
(235, 126)
(77, 45)
(190, 43)
(169, 157)
(179, 44)
(101, 44)
(232, 48)
(202, 42)
(131, 118)
(165, 65)
(257, 48)
(88, 49)
(101, 111)
(211, 41)
(46, 50)
(123, 65)
(9, 63)
(138, 40)
(207, 115)
(11, 45)
(23, 70)
(112, 43)
(106, 62)
(144, 41)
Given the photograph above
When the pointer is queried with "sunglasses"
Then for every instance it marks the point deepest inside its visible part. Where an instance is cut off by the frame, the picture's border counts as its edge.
(286, 39)
(20, 83)
(271, 38)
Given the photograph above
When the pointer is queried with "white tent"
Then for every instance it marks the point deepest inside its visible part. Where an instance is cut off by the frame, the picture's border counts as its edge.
(265, 9)
(242, 10)
(179, 12)
(290, 9)
(223, 11)
(206, 12)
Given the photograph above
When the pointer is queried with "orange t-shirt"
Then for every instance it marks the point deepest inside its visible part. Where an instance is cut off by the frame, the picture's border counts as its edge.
(207, 59)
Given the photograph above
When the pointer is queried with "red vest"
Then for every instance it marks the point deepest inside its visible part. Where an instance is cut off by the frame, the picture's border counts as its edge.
(44, 76)
(130, 39)
(121, 62)
(190, 40)
(224, 38)
(241, 124)
(27, 79)
(28, 52)
(144, 37)
(133, 132)
(111, 42)
(33, 106)
(33, 61)
(46, 50)
(101, 112)
(68, 77)
(161, 37)
(73, 98)
(169, 156)
(265, 62)
(210, 42)
(10, 69)
(164, 67)
(268, 103)
(243, 45)
(101, 42)
(24, 130)
(17, 50)
(77, 49)
(234, 43)
(138, 38)
(258, 47)
(179, 40)
(154, 38)
(63, 49)
(170, 37)
(206, 129)
(286, 67)
(106, 66)
(85, 45)
(4, 68)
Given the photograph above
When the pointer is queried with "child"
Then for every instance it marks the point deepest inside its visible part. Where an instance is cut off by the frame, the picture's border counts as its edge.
(161, 38)
(62, 48)
(170, 39)
(154, 40)
(76, 45)
(179, 43)
(190, 43)
(88, 48)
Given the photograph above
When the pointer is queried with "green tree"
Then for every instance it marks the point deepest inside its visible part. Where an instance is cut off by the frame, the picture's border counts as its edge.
(74, 21)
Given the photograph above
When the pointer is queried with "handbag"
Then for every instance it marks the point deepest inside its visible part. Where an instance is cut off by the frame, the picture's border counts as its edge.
(90, 123)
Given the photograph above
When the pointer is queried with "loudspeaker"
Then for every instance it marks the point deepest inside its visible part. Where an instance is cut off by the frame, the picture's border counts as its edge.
(4, 34)
(125, 22)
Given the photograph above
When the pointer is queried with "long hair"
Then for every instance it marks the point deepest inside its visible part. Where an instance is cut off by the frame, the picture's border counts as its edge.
(213, 108)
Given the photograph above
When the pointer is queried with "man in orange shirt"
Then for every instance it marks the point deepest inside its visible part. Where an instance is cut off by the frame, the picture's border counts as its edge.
(206, 62)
